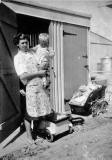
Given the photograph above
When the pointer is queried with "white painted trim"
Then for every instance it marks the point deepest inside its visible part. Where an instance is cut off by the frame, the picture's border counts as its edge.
(58, 66)
(48, 13)
(62, 70)
(88, 52)
(9, 138)
(36, 4)
(55, 67)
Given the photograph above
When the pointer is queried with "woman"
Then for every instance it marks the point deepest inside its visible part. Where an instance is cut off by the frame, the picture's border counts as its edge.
(37, 101)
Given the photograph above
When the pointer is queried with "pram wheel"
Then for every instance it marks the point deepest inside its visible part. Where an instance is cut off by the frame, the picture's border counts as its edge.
(95, 109)
(104, 105)
(72, 110)
(99, 107)
(49, 136)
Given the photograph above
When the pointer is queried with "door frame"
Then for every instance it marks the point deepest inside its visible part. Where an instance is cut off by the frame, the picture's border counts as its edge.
(57, 66)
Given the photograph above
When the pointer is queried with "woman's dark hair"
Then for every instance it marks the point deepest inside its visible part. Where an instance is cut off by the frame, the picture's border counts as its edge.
(20, 36)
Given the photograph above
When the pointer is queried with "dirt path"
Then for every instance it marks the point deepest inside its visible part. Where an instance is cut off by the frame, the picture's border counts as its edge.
(90, 141)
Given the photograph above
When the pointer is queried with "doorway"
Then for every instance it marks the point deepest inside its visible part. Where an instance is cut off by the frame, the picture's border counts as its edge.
(32, 26)
(9, 82)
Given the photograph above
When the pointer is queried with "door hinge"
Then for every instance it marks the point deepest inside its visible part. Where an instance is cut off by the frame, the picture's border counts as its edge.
(87, 67)
(68, 33)
(53, 72)
(85, 56)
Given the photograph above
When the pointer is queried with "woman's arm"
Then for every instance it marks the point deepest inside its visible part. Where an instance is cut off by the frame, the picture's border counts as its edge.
(51, 52)
(28, 76)
(34, 49)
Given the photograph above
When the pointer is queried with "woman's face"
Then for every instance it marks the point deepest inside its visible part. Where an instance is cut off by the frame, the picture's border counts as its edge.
(23, 45)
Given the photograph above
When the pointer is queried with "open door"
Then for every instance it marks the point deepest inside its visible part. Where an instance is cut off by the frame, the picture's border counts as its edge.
(10, 112)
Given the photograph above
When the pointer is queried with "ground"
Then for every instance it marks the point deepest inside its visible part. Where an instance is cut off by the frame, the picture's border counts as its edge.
(90, 141)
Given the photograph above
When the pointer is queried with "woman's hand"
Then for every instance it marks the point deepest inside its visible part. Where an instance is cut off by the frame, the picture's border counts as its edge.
(42, 73)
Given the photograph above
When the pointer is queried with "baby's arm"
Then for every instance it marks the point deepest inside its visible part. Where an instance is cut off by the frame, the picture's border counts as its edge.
(51, 52)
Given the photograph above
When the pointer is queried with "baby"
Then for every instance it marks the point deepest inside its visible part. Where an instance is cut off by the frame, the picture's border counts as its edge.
(43, 54)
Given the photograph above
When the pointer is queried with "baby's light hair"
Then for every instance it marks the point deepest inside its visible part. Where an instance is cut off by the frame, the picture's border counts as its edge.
(44, 39)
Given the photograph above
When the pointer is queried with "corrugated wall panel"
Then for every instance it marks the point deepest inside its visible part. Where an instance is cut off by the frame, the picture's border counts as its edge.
(58, 66)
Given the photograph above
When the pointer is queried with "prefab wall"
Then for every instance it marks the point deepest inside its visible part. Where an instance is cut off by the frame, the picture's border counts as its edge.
(100, 47)
(68, 37)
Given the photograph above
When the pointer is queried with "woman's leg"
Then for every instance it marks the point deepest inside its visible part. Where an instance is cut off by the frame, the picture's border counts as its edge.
(28, 130)
(27, 120)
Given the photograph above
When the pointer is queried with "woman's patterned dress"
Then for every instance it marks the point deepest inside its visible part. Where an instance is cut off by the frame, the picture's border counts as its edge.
(37, 100)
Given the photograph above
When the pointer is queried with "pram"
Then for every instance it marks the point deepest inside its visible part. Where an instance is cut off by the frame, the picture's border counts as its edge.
(53, 125)
(89, 99)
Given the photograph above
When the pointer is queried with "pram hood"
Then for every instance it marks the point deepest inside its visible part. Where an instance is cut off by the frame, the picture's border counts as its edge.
(79, 98)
